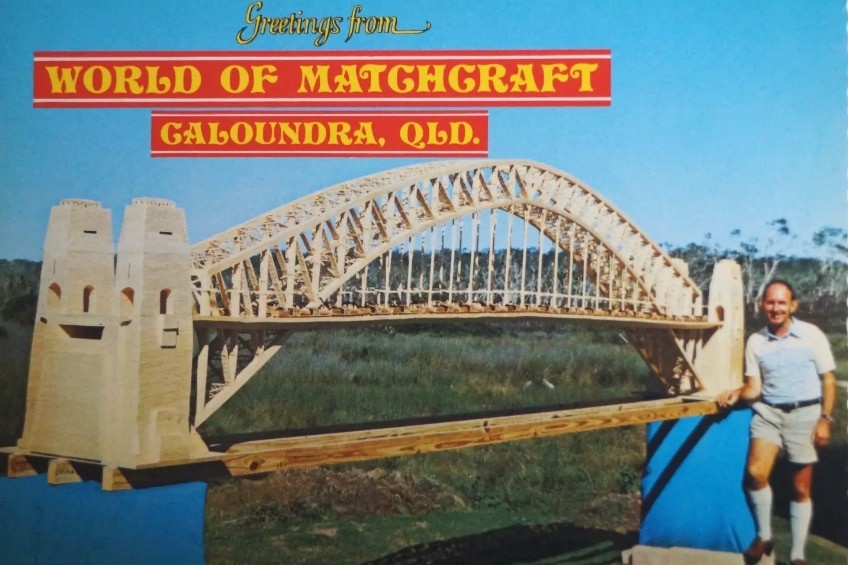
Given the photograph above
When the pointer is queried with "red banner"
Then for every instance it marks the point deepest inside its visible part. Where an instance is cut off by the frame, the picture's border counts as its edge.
(304, 79)
(319, 134)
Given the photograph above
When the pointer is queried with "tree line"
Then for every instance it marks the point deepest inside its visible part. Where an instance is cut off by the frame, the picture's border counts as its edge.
(817, 269)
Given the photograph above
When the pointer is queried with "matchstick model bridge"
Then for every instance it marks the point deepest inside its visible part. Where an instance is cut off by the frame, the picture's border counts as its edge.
(133, 350)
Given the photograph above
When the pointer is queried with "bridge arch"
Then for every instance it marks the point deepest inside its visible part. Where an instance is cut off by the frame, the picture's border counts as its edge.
(303, 253)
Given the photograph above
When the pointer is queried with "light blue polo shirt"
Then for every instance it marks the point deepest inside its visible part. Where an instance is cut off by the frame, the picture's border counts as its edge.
(789, 366)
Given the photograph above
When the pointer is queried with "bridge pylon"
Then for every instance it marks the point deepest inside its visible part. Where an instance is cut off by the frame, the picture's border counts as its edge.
(719, 363)
(111, 360)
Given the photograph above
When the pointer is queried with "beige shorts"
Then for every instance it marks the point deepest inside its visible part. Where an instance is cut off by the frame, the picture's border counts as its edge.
(791, 431)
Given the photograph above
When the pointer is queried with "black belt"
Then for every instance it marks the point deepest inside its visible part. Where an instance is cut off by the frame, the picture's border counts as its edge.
(790, 406)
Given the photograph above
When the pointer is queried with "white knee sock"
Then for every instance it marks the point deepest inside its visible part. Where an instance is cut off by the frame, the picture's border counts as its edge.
(800, 516)
(761, 505)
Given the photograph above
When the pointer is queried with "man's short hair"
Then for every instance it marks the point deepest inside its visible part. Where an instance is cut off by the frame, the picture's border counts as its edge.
(773, 282)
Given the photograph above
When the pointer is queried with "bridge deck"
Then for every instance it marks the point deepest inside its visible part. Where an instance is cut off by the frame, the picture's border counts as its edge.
(325, 318)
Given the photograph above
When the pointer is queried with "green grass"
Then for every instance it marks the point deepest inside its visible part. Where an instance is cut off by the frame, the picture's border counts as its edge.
(327, 378)
(485, 536)
(14, 363)
(337, 377)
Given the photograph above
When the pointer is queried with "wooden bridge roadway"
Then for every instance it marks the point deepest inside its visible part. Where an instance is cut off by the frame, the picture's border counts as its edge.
(243, 455)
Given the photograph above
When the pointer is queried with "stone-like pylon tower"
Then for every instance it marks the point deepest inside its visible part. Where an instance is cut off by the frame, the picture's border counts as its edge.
(112, 344)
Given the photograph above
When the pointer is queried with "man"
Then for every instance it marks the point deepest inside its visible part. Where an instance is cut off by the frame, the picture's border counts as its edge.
(789, 373)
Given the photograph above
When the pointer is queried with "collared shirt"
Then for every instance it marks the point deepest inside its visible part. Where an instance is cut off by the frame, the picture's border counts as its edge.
(789, 365)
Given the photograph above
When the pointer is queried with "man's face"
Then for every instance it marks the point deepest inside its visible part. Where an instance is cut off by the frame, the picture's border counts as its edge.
(777, 304)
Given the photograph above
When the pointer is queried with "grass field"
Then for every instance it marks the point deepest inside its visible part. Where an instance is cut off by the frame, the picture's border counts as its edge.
(344, 377)
(334, 377)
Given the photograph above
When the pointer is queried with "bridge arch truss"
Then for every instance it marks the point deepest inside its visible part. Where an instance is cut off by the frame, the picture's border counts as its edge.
(322, 250)
(434, 239)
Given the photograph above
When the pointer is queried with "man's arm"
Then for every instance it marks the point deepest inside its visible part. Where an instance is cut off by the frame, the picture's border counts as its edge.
(821, 435)
(751, 390)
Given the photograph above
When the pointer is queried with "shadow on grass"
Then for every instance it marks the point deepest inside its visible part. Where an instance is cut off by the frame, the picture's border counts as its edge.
(545, 543)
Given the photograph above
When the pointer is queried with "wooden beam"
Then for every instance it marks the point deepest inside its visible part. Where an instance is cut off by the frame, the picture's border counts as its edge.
(275, 455)
(24, 465)
(270, 455)
(114, 479)
(61, 471)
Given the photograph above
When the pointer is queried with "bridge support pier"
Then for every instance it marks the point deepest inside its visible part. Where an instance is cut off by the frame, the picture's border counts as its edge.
(701, 362)
(682, 470)
(719, 363)
(110, 368)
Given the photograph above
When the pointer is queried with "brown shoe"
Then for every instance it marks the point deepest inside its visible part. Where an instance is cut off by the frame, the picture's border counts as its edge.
(798, 562)
(757, 549)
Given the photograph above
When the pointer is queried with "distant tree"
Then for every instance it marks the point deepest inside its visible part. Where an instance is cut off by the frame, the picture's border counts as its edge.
(819, 274)
(19, 290)
(701, 258)
(20, 308)
(760, 260)
(831, 253)
(831, 250)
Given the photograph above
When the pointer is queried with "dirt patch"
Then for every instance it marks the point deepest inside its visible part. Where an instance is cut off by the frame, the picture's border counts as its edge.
(614, 512)
(319, 491)
(326, 532)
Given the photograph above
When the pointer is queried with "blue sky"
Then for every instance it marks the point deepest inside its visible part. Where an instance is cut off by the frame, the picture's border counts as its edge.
(724, 114)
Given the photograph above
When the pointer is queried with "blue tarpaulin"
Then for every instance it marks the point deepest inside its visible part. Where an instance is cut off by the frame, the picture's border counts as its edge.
(81, 523)
(692, 492)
